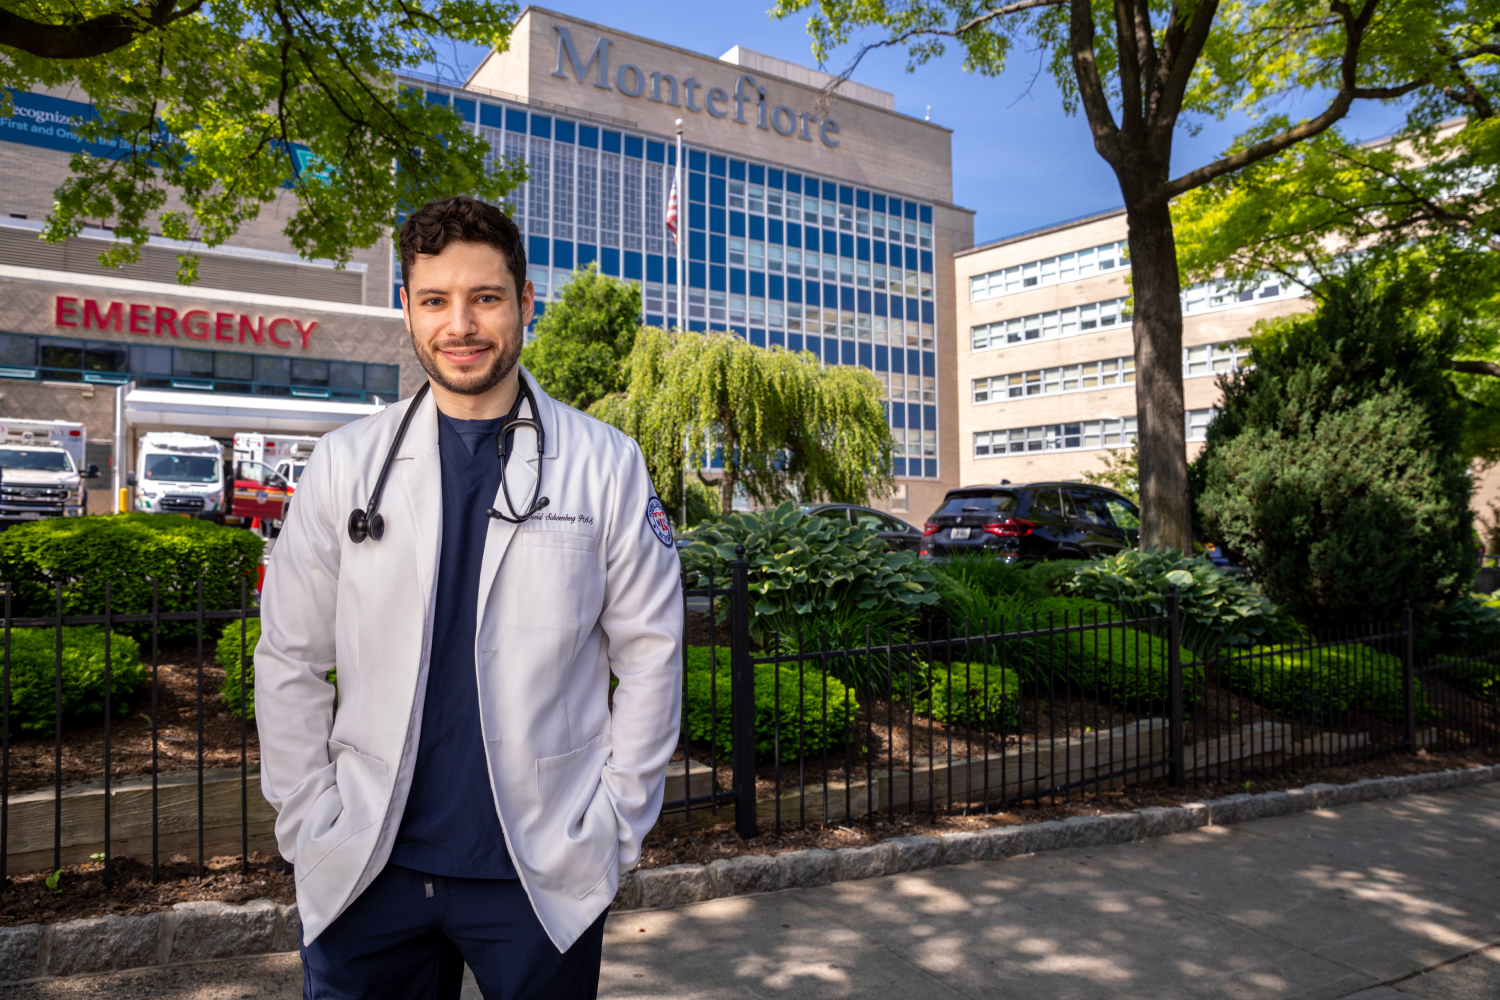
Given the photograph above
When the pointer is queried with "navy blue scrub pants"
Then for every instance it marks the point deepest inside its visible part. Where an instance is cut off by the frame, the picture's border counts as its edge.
(404, 941)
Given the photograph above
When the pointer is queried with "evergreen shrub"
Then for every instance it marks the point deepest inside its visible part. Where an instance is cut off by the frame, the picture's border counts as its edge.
(982, 696)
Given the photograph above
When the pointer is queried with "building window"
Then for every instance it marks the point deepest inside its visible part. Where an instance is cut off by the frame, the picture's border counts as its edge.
(655, 304)
(1115, 432)
(1197, 423)
(562, 191)
(1214, 359)
(1207, 296)
(773, 202)
(631, 202)
(1101, 259)
(736, 252)
(757, 199)
(538, 207)
(588, 195)
(656, 211)
(57, 359)
(1050, 325)
(609, 199)
(736, 194)
(1106, 374)
(541, 280)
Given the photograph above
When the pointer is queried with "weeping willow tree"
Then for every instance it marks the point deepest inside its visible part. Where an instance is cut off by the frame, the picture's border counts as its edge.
(785, 426)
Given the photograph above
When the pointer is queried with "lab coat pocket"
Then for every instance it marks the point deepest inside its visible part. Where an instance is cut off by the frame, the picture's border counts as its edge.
(576, 836)
(553, 539)
(355, 802)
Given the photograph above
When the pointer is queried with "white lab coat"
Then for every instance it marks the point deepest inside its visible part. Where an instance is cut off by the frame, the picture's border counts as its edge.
(580, 591)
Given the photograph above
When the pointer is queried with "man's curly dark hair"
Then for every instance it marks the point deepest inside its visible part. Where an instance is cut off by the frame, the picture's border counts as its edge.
(431, 228)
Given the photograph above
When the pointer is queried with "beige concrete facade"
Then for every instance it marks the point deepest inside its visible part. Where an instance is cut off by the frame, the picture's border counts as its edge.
(875, 147)
(1221, 325)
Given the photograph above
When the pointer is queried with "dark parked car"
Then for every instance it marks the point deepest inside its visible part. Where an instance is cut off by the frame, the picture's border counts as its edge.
(897, 534)
(1033, 521)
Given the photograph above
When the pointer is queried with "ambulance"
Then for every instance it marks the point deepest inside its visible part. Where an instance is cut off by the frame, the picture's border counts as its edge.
(179, 473)
(42, 470)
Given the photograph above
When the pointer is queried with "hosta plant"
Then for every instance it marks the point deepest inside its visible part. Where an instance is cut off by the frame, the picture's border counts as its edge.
(805, 569)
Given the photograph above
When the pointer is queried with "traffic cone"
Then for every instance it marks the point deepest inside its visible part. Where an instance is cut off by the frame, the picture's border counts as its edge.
(255, 524)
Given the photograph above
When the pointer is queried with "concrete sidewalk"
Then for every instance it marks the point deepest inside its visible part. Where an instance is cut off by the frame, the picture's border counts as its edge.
(1318, 904)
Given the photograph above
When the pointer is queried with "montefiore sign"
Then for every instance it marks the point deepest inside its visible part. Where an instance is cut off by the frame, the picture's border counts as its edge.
(664, 88)
(146, 320)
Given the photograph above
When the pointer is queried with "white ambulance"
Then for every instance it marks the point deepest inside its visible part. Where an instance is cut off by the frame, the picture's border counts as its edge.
(284, 454)
(42, 470)
(179, 473)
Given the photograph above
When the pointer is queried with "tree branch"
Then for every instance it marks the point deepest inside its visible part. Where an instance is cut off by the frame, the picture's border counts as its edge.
(1349, 90)
(1090, 87)
(93, 37)
(1475, 367)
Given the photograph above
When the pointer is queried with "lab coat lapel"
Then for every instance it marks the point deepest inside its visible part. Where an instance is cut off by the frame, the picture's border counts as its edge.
(419, 471)
(521, 473)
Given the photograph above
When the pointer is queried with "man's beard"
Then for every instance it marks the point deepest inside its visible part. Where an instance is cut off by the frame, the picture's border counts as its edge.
(506, 354)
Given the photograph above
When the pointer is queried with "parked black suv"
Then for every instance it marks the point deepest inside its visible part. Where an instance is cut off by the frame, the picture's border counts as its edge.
(1032, 521)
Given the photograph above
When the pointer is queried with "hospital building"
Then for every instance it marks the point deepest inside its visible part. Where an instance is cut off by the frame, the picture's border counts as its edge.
(815, 220)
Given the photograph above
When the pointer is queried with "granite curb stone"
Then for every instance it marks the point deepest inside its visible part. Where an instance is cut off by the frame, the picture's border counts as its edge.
(206, 930)
(675, 885)
(811, 867)
(961, 848)
(863, 862)
(915, 853)
(746, 874)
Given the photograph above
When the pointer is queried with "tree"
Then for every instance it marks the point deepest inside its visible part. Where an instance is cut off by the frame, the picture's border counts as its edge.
(205, 110)
(582, 340)
(1421, 208)
(1334, 470)
(1136, 68)
(786, 427)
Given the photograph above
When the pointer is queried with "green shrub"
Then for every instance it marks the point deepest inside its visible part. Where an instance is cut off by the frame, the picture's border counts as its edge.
(1214, 607)
(982, 593)
(33, 677)
(1337, 469)
(1322, 684)
(1055, 576)
(129, 551)
(1466, 621)
(801, 707)
(973, 694)
(1116, 664)
(806, 568)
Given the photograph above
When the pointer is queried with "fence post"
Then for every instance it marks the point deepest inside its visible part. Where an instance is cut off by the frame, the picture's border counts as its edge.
(1409, 676)
(742, 695)
(1174, 651)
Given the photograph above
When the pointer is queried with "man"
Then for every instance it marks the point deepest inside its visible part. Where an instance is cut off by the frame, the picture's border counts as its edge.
(477, 793)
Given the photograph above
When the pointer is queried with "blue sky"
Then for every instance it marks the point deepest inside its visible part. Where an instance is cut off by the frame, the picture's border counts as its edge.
(1018, 161)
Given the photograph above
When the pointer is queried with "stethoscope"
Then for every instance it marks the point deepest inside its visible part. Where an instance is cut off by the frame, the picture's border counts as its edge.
(364, 525)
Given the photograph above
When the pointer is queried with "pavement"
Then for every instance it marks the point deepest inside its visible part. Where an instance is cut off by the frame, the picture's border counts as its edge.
(1380, 901)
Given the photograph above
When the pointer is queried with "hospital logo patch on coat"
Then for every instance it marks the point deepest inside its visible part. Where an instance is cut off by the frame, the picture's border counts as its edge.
(656, 516)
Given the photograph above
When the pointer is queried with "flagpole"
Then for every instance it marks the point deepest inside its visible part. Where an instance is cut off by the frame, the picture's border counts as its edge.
(681, 202)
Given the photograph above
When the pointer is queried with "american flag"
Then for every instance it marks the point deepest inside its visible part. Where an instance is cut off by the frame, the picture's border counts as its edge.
(672, 211)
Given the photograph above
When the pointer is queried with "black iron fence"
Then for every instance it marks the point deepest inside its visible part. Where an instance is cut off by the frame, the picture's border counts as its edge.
(816, 727)
(830, 728)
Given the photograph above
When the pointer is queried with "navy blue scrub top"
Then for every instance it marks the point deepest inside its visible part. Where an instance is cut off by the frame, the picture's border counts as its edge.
(450, 826)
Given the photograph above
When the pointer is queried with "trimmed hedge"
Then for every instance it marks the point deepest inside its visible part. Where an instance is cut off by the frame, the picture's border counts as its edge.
(973, 694)
(1321, 685)
(129, 550)
(33, 677)
(801, 710)
(1116, 663)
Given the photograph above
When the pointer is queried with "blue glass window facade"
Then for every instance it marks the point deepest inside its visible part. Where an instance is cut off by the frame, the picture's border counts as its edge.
(774, 256)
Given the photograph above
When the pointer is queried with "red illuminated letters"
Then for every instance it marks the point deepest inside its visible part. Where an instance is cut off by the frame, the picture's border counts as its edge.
(145, 320)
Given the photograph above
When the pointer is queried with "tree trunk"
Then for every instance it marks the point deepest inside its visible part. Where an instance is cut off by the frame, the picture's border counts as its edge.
(727, 481)
(1166, 514)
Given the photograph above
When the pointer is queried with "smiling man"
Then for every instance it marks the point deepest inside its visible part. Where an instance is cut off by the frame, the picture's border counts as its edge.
(477, 794)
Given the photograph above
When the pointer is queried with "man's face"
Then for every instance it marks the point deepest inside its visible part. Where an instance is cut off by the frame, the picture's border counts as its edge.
(466, 317)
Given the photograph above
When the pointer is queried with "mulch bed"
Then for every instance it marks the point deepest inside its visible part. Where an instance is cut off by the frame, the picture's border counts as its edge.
(81, 891)
(33, 762)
